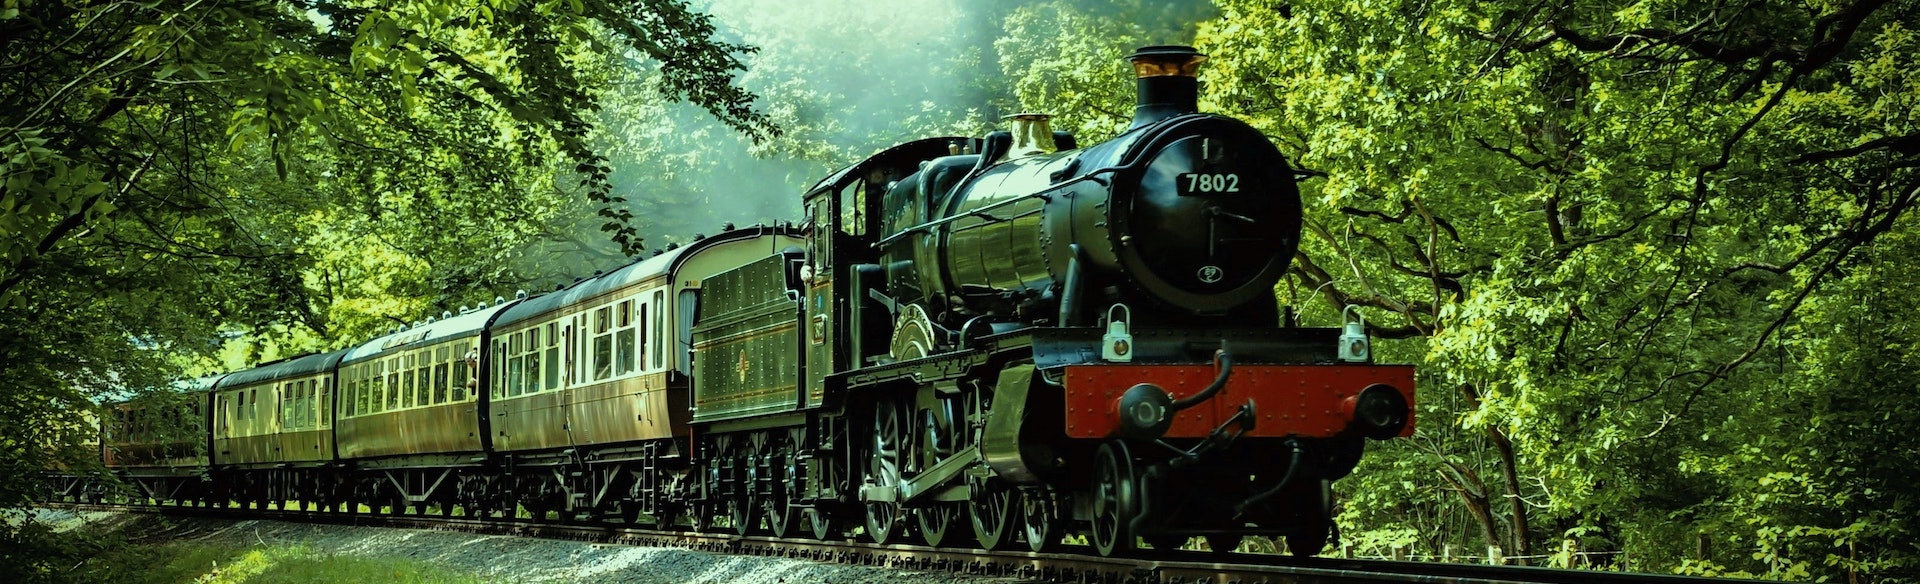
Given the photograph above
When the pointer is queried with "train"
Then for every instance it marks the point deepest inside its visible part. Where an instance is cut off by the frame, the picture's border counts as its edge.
(991, 342)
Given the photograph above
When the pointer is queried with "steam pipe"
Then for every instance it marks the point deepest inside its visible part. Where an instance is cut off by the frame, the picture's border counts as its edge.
(1293, 468)
(1223, 360)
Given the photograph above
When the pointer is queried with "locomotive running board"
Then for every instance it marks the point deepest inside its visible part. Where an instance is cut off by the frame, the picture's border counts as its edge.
(926, 482)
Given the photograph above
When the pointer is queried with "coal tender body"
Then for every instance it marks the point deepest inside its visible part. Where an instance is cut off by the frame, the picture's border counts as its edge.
(1009, 339)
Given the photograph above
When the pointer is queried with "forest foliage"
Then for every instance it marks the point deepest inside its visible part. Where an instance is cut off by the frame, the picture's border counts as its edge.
(1653, 257)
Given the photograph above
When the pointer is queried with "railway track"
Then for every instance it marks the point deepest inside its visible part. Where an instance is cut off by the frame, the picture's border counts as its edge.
(1176, 567)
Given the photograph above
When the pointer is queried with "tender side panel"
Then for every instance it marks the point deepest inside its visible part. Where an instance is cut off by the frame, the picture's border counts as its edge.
(745, 344)
(1290, 400)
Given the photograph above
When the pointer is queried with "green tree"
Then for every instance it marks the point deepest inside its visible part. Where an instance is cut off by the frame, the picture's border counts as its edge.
(178, 172)
(1606, 222)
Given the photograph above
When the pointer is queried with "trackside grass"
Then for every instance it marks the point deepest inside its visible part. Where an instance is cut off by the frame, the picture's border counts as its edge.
(33, 554)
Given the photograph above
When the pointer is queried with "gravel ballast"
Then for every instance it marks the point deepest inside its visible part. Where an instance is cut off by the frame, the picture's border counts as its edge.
(503, 558)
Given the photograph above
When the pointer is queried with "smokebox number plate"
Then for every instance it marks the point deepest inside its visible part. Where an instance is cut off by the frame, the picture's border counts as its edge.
(1207, 183)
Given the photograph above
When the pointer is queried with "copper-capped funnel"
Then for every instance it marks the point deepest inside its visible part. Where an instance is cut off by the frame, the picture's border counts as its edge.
(1166, 61)
(1166, 79)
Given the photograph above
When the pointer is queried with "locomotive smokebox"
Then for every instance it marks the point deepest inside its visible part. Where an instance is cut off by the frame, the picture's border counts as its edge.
(1166, 82)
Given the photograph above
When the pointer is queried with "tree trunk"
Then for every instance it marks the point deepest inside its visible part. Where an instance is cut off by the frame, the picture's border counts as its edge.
(1517, 544)
(1517, 507)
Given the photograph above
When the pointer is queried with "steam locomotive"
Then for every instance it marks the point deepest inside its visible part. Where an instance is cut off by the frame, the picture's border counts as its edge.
(981, 342)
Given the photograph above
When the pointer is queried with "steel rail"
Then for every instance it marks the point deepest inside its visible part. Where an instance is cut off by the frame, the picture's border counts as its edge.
(1152, 567)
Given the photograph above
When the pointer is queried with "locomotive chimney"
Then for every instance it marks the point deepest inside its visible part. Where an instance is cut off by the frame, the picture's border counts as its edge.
(1032, 135)
(1165, 77)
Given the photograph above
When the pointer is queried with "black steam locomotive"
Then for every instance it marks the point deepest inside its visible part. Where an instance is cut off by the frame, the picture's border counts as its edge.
(1005, 336)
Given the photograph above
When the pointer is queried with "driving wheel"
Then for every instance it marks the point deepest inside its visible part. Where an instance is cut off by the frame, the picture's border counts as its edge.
(885, 454)
(992, 510)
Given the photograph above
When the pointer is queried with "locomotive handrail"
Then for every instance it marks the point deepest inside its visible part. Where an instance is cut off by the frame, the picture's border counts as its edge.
(1222, 359)
(980, 212)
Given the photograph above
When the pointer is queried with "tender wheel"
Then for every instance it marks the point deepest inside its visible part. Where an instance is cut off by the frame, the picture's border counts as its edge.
(783, 519)
(938, 523)
(1040, 521)
(1115, 492)
(993, 512)
(743, 515)
(884, 523)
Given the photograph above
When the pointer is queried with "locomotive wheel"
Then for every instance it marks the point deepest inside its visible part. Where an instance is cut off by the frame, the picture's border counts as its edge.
(992, 511)
(1166, 542)
(1223, 543)
(1115, 492)
(938, 522)
(1040, 521)
(820, 524)
(884, 523)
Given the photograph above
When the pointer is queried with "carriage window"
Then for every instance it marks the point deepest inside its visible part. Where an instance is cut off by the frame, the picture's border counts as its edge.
(553, 356)
(393, 384)
(357, 391)
(440, 366)
(533, 359)
(602, 344)
(500, 388)
(423, 380)
(623, 339)
(516, 344)
(643, 335)
(460, 372)
(660, 329)
(406, 381)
